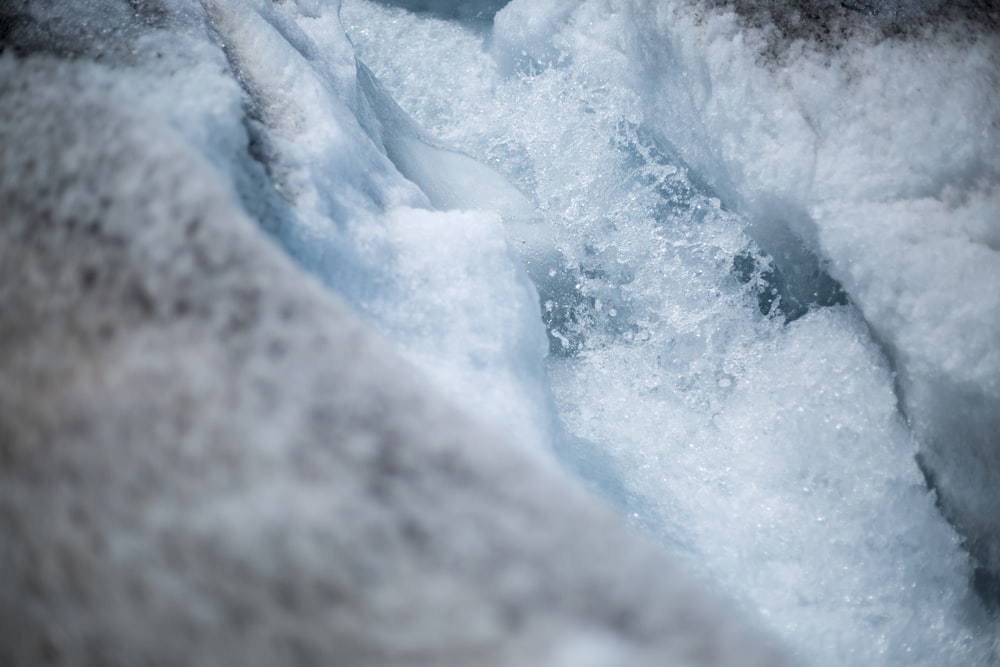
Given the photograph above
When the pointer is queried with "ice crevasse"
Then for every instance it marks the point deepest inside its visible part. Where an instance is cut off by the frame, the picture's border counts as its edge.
(734, 264)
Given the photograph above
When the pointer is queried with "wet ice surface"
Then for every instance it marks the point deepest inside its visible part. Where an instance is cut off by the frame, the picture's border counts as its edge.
(711, 378)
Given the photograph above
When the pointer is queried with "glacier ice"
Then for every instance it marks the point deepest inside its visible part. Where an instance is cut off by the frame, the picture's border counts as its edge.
(764, 262)
(880, 152)
(205, 457)
(207, 460)
(653, 138)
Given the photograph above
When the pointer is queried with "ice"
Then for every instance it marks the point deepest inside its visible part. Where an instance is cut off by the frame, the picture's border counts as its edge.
(882, 157)
(475, 315)
(450, 179)
(205, 456)
(325, 132)
(321, 160)
(683, 182)
(758, 242)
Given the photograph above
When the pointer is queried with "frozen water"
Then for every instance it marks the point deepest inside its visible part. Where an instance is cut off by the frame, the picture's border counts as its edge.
(205, 457)
(697, 205)
(323, 131)
(882, 155)
(763, 264)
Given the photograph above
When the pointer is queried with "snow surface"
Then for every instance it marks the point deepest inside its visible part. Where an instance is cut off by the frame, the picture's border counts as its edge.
(759, 244)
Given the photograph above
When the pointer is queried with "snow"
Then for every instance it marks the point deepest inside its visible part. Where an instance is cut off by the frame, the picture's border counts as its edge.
(740, 279)
(685, 184)
(883, 158)
(206, 458)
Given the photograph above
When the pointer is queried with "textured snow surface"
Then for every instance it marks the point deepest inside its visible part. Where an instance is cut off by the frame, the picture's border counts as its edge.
(735, 266)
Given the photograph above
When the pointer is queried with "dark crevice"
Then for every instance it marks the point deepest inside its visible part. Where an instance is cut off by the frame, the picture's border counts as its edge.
(791, 293)
(258, 182)
(986, 584)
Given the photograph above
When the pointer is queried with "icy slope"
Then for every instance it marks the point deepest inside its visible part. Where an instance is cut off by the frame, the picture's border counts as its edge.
(324, 132)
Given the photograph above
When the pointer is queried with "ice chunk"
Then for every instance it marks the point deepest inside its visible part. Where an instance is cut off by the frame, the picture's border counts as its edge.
(449, 178)
(470, 322)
